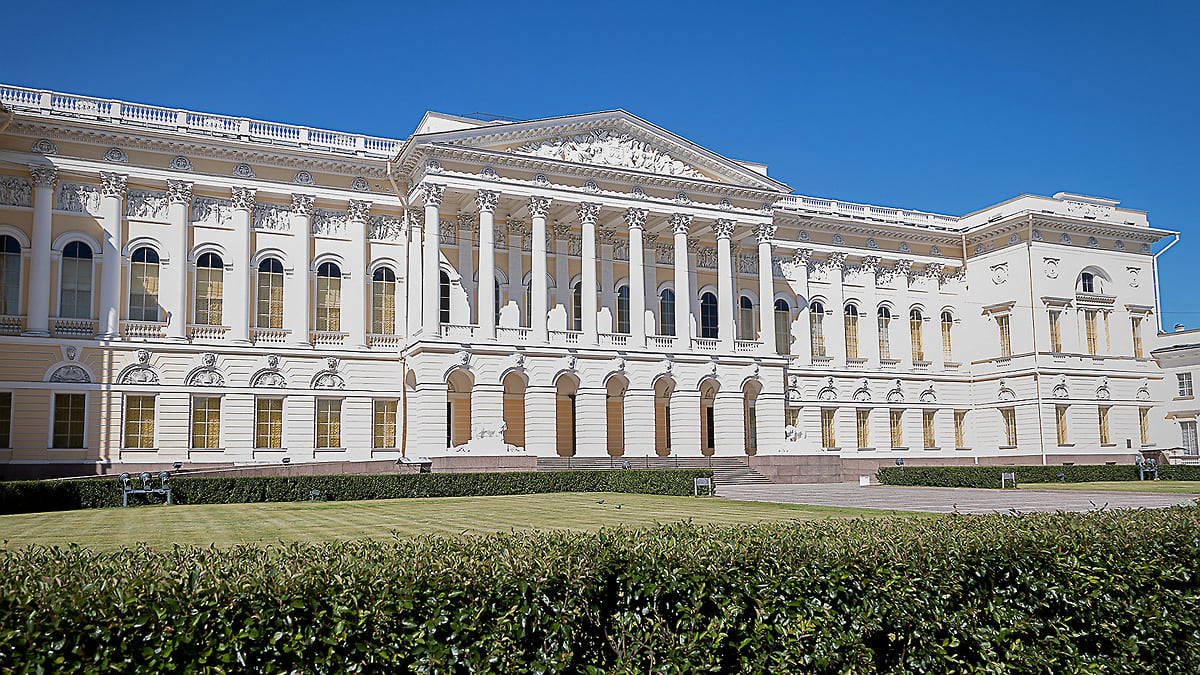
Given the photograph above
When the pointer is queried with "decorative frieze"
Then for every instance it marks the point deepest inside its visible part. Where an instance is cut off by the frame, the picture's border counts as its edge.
(574, 244)
(385, 228)
(499, 235)
(273, 217)
(777, 262)
(605, 235)
(664, 253)
(302, 205)
(179, 192)
(609, 148)
(17, 191)
(747, 263)
(620, 249)
(359, 211)
(243, 198)
(146, 204)
(79, 198)
(706, 257)
(330, 222)
(112, 184)
(211, 211)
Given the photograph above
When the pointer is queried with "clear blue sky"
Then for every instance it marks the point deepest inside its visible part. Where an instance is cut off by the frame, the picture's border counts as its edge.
(940, 106)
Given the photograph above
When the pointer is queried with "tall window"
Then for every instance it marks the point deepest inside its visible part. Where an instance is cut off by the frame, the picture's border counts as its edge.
(383, 301)
(1056, 331)
(622, 309)
(577, 306)
(1144, 425)
(329, 297)
(1185, 384)
(1102, 422)
(666, 312)
(69, 413)
(947, 343)
(1087, 282)
(268, 423)
(75, 293)
(885, 333)
(10, 275)
(206, 422)
(862, 419)
(444, 297)
(210, 278)
(783, 327)
(139, 422)
(269, 308)
(1010, 425)
(708, 315)
(1136, 325)
(143, 285)
(6, 401)
(1060, 424)
(851, 321)
(915, 319)
(1093, 338)
(896, 421)
(1005, 335)
(1188, 428)
(384, 423)
(960, 428)
(746, 318)
(329, 423)
(827, 436)
(930, 437)
(816, 321)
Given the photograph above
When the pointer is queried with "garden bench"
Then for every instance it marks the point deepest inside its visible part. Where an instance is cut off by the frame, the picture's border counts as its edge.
(127, 486)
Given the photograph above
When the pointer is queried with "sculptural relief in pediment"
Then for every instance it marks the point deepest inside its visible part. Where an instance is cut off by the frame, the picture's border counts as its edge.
(610, 148)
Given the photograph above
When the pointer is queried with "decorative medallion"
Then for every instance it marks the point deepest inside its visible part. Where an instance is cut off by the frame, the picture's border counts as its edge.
(682, 198)
(541, 179)
(1051, 267)
(803, 236)
(140, 372)
(1092, 243)
(934, 250)
(1120, 245)
(243, 171)
(999, 273)
(1005, 393)
(828, 392)
(1065, 238)
(1037, 235)
(303, 178)
(116, 155)
(360, 184)
(71, 374)
(1145, 248)
(433, 166)
(904, 247)
(591, 186)
(871, 243)
(725, 204)
(838, 240)
(1134, 281)
(489, 173)
(928, 394)
(1014, 238)
(180, 163)
(896, 393)
(44, 146)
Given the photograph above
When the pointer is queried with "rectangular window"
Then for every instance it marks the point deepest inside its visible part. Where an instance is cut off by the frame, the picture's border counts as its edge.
(1185, 384)
(383, 306)
(1107, 336)
(143, 290)
(269, 313)
(915, 332)
(1056, 331)
(1060, 424)
(1093, 338)
(1102, 422)
(329, 303)
(209, 291)
(947, 344)
(75, 296)
(852, 337)
(960, 428)
(817, 328)
(863, 419)
(206, 422)
(927, 428)
(791, 417)
(329, 423)
(896, 417)
(268, 423)
(827, 436)
(783, 331)
(1144, 424)
(1010, 426)
(1188, 428)
(6, 400)
(385, 423)
(1005, 336)
(69, 413)
(139, 422)
(1137, 337)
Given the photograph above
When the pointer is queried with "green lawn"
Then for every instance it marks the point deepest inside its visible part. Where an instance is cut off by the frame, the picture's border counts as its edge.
(228, 524)
(1181, 486)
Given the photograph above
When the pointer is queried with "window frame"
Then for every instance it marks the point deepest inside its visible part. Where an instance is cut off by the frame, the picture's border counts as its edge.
(666, 315)
(125, 422)
(192, 422)
(710, 317)
(6, 419)
(1185, 385)
(896, 427)
(136, 266)
(328, 305)
(268, 311)
(10, 277)
(862, 424)
(270, 424)
(207, 278)
(394, 423)
(383, 301)
(1009, 417)
(816, 330)
(90, 277)
(53, 443)
(850, 328)
(829, 427)
(329, 422)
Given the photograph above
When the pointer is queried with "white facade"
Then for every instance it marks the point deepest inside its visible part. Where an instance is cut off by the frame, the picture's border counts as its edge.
(317, 296)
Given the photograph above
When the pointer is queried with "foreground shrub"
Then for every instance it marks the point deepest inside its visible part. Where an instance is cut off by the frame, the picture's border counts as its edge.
(989, 476)
(1043, 593)
(34, 496)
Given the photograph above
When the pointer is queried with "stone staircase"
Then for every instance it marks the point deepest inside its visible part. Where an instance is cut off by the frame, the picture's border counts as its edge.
(726, 470)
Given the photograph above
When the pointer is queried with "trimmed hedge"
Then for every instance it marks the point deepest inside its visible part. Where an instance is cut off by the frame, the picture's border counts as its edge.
(1041, 593)
(989, 476)
(48, 495)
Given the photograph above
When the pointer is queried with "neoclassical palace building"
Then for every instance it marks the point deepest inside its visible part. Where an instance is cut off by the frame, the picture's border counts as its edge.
(190, 287)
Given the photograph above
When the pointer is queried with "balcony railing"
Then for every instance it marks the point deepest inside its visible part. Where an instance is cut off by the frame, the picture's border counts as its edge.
(512, 334)
(747, 346)
(74, 327)
(458, 331)
(202, 331)
(889, 364)
(384, 341)
(272, 336)
(661, 342)
(565, 337)
(856, 364)
(614, 339)
(327, 338)
(142, 330)
(12, 324)
(705, 344)
(921, 366)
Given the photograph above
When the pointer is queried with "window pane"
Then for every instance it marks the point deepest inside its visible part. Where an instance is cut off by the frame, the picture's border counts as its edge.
(329, 423)
(6, 401)
(75, 296)
(69, 411)
(383, 306)
(10, 276)
(209, 292)
(269, 312)
(206, 422)
(139, 422)
(385, 424)
(143, 286)
(329, 303)
(268, 423)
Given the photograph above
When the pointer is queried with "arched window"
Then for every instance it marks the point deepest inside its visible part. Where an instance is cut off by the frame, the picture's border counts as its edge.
(885, 334)
(10, 275)
(708, 315)
(622, 309)
(914, 328)
(816, 328)
(851, 322)
(947, 345)
(383, 301)
(210, 278)
(577, 306)
(746, 318)
(143, 285)
(666, 312)
(329, 297)
(1087, 282)
(75, 289)
(268, 312)
(444, 297)
(783, 327)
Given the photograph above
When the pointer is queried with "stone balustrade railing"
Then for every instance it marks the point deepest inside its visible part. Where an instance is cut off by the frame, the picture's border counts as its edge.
(207, 332)
(880, 213)
(384, 341)
(142, 330)
(327, 338)
(74, 327)
(273, 336)
(12, 324)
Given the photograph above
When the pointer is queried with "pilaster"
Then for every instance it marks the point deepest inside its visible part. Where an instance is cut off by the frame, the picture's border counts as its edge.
(237, 283)
(296, 290)
(174, 294)
(37, 312)
(355, 296)
(112, 186)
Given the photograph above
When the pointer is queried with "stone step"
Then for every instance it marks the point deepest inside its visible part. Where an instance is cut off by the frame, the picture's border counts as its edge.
(726, 470)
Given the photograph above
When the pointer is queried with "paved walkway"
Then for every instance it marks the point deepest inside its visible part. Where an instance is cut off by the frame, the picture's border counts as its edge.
(947, 500)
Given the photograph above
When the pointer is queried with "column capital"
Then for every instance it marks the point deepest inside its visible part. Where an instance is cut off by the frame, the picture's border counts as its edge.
(432, 193)
(302, 205)
(588, 213)
(681, 223)
(723, 228)
(869, 264)
(801, 256)
(44, 175)
(243, 198)
(539, 207)
(635, 218)
(765, 232)
(933, 270)
(112, 184)
(179, 192)
(837, 260)
(486, 200)
(360, 210)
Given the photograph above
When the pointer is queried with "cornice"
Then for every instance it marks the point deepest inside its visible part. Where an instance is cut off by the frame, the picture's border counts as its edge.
(898, 231)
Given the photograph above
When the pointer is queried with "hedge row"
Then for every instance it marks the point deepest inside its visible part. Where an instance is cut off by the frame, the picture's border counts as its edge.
(989, 476)
(33, 496)
(1043, 593)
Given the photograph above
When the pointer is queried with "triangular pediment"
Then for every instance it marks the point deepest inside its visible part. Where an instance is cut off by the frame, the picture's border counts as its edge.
(613, 140)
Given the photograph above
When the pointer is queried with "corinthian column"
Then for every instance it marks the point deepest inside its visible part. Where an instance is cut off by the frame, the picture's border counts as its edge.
(723, 228)
(112, 188)
(766, 287)
(538, 207)
(635, 219)
(38, 310)
(430, 306)
(587, 287)
(355, 299)
(175, 287)
(414, 277)
(237, 287)
(486, 292)
(295, 294)
(680, 223)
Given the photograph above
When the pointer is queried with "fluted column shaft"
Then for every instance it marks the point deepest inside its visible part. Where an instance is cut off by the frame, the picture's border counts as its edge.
(680, 223)
(175, 287)
(725, 312)
(486, 292)
(538, 207)
(587, 278)
(355, 298)
(636, 220)
(766, 288)
(37, 311)
(113, 196)
(431, 307)
(237, 284)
